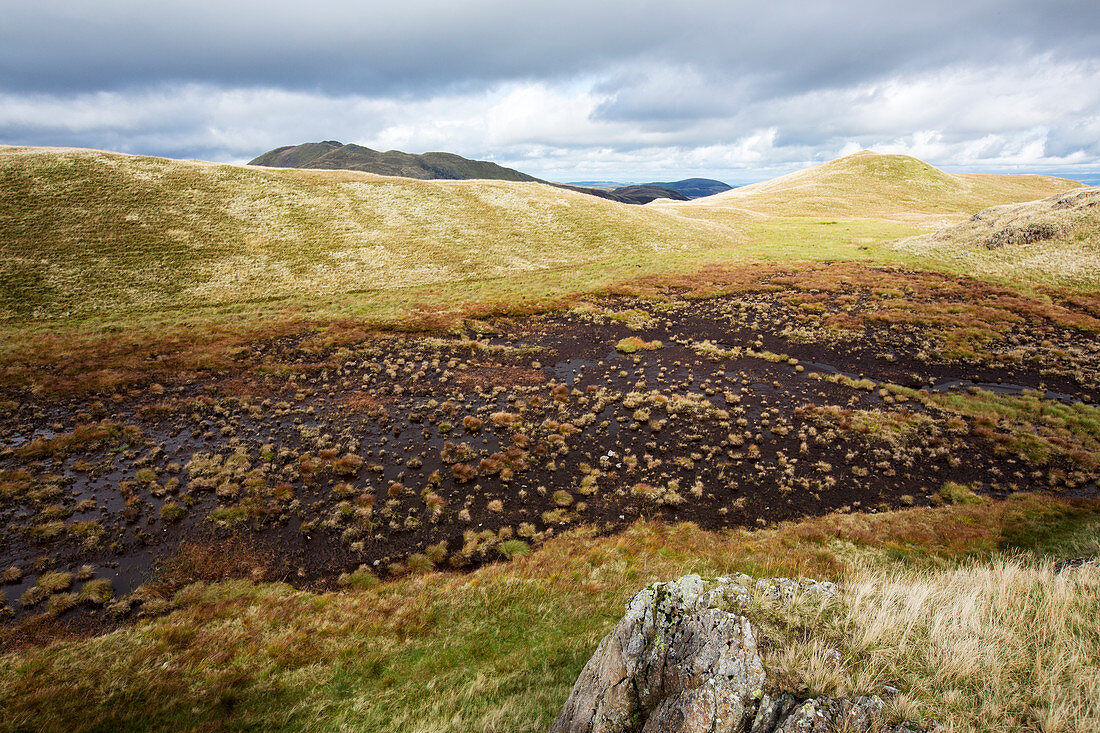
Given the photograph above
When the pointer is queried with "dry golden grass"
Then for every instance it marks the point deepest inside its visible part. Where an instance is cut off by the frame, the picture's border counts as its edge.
(867, 185)
(96, 233)
(1054, 240)
(1008, 646)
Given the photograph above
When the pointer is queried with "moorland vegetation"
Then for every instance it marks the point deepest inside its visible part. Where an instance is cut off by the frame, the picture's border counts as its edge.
(312, 448)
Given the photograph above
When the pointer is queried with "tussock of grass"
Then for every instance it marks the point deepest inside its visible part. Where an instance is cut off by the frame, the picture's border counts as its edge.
(632, 344)
(1011, 646)
(499, 648)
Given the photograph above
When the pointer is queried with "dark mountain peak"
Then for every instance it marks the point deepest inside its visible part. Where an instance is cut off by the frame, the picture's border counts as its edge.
(439, 165)
(646, 192)
(333, 155)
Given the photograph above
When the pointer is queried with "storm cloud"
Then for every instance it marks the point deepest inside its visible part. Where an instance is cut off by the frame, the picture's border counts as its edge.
(565, 90)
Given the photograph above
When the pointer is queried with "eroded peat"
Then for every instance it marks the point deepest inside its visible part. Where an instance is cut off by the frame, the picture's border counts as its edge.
(331, 458)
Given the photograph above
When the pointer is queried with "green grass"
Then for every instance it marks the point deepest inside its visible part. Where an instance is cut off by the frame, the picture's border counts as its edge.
(810, 238)
(1037, 429)
(499, 649)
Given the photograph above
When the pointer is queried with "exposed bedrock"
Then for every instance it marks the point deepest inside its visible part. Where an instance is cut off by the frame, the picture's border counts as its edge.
(684, 660)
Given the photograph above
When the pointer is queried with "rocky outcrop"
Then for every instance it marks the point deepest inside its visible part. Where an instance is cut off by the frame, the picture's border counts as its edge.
(675, 660)
(787, 714)
(684, 660)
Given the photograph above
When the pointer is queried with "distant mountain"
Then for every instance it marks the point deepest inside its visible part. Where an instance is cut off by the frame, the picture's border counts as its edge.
(333, 155)
(597, 184)
(628, 194)
(645, 193)
(695, 188)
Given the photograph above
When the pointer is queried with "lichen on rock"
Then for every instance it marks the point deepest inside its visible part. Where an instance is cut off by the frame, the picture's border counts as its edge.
(684, 660)
(677, 661)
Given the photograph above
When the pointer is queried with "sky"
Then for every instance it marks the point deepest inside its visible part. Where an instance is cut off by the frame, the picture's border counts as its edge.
(566, 90)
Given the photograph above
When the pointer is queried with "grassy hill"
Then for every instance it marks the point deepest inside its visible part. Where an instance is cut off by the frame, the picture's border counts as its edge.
(89, 232)
(332, 155)
(1056, 239)
(867, 184)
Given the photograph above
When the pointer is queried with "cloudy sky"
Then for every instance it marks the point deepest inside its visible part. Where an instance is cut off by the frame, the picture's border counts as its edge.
(565, 90)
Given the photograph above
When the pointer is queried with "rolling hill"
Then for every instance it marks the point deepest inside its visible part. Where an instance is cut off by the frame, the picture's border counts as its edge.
(89, 232)
(868, 184)
(332, 155)
(1056, 239)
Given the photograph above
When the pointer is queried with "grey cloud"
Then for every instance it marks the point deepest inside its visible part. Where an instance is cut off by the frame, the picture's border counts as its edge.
(623, 87)
(419, 47)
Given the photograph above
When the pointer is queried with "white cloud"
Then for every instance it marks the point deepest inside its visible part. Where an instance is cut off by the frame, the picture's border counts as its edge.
(1040, 113)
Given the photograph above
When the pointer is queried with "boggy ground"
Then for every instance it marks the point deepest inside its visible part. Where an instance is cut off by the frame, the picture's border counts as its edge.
(332, 457)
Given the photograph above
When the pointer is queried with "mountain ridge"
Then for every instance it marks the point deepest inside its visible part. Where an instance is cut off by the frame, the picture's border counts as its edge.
(335, 155)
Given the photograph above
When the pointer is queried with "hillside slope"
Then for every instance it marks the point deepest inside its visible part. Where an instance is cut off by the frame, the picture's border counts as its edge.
(868, 184)
(1055, 239)
(332, 155)
(90, 232)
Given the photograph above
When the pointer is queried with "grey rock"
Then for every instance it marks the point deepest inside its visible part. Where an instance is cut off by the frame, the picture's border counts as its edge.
(683, 660)
(678, 661)
(1073, 563)
(772, 712)
(786, 588)
(824, 715)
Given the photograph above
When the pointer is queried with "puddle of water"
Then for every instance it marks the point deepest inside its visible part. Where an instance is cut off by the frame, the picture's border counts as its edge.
(1014, 390)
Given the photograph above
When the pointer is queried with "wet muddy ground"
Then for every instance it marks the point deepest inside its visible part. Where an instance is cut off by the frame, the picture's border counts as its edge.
(327, 464)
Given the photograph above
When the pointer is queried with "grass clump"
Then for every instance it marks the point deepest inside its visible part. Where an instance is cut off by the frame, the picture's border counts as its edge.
(1006, 646)
(362, 578)
(97, 592)
(633, 344)
(55, 581)
(954, 493)
(514, 548)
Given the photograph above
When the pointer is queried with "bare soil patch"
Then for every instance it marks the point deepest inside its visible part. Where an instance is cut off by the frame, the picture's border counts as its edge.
(329, 463)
